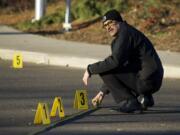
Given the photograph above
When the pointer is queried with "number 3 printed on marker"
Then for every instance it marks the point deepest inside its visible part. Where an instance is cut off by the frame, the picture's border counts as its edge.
(83, 99)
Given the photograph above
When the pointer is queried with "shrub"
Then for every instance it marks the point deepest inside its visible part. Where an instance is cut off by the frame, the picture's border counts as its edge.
(85, 9)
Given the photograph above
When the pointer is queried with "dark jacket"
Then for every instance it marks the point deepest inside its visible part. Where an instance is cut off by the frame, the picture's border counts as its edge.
(131, 50)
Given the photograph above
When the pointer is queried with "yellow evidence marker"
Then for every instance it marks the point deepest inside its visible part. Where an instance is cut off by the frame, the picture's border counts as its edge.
(57, 105)
(17, 60)
(42, 114)
(81, 100)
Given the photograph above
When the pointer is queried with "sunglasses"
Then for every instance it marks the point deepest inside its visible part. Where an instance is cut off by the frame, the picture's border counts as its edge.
(109, 23)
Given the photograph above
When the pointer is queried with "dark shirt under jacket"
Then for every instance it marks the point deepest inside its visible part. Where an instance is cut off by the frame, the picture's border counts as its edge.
(131, 50)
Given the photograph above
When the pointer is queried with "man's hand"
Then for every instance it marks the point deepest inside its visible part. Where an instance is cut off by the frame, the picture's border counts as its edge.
(96, 101)
(85, 77)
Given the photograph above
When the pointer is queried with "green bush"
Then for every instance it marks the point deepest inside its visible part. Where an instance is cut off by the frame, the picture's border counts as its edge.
(57, 17)
(104, 6)
(149, 4)
(28, 25)
(86, 9)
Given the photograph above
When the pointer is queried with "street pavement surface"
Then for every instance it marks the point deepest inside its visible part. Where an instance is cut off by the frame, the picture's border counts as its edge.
(22, 89)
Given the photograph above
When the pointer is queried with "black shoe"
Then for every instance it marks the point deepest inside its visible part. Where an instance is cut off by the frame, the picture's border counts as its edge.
(130, 106)
(147, 101)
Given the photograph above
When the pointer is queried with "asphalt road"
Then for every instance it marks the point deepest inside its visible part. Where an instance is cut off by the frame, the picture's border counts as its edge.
(22, 89)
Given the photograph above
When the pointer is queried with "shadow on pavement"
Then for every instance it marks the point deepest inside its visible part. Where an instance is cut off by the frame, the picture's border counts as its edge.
(117, 133)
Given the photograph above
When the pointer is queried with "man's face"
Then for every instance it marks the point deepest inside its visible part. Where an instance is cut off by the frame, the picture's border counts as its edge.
(111, 27)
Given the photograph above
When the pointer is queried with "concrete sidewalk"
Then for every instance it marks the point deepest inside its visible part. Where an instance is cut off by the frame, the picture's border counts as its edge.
(42, 50)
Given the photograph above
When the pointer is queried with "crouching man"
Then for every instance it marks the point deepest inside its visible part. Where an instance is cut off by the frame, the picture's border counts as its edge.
(133, 69)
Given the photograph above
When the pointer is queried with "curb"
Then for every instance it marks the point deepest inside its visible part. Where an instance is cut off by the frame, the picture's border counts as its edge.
(48, 59)
(170, 71)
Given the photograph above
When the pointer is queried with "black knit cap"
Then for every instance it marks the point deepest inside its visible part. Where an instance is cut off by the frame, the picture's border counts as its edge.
(112, 15)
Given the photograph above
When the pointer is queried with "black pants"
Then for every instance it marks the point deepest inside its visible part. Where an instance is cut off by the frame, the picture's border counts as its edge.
(124, 86)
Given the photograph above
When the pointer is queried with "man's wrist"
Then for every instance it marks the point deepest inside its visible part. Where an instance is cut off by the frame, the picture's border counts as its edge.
(101, 93)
